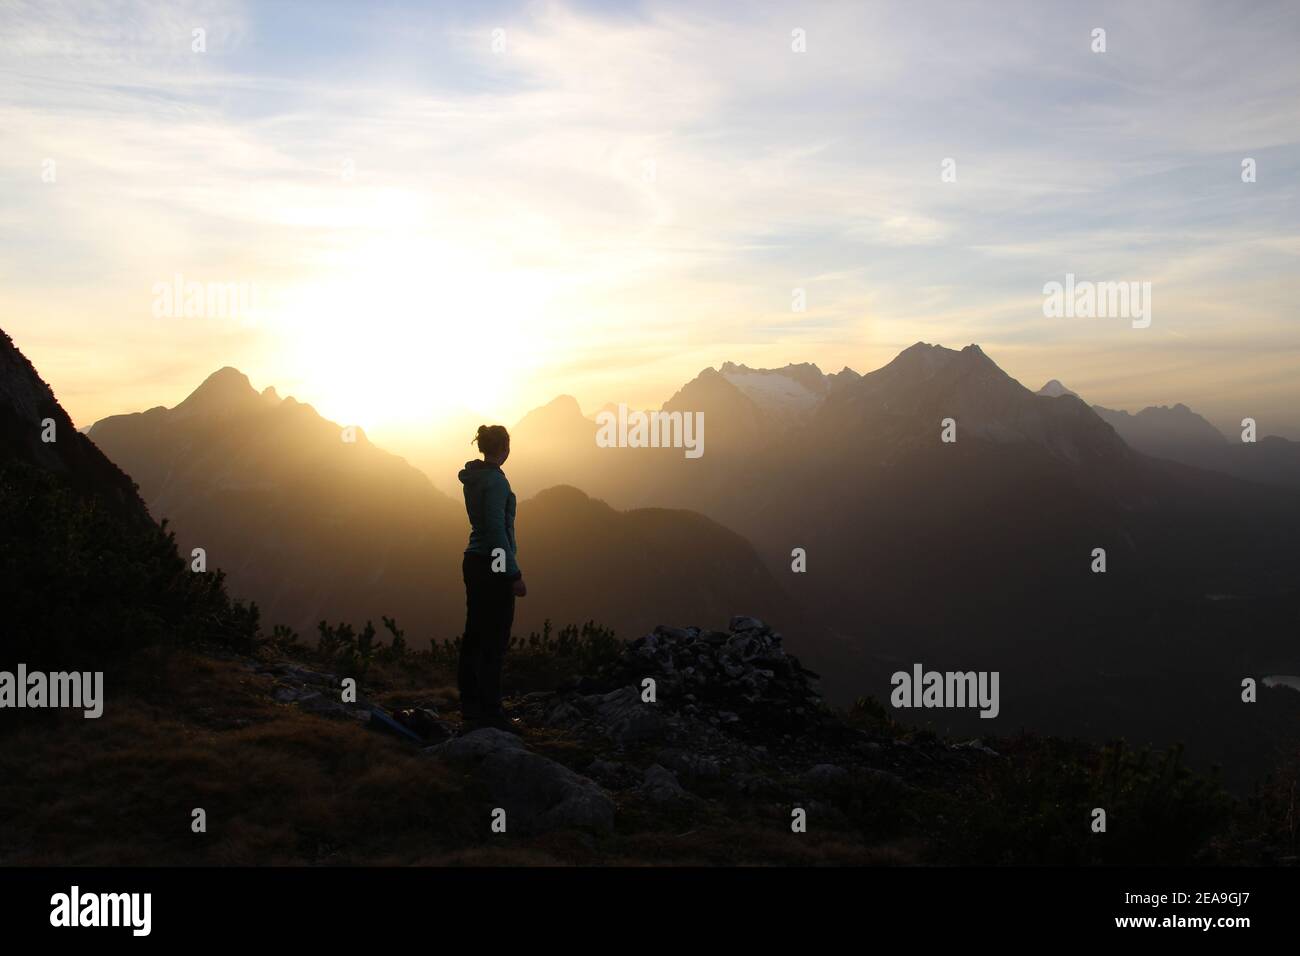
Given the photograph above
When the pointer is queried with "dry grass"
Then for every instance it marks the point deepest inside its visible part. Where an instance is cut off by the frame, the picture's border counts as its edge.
(279, 786)
(284, 787)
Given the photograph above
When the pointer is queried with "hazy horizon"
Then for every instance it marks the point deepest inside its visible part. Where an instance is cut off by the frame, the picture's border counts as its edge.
(601, 202)
(442, 431)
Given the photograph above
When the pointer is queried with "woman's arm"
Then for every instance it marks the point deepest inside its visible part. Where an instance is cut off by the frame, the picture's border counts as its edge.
(495, 496)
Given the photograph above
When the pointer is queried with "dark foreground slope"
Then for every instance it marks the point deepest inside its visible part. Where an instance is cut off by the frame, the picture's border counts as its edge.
(715, 772)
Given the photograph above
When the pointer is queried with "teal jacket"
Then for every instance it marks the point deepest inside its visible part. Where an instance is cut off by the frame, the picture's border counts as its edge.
(490, 504)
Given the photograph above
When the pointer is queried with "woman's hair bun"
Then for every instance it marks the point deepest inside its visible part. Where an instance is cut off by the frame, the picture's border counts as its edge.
(492, 439)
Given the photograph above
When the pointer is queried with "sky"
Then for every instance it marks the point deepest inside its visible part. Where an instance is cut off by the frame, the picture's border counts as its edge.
(430, 208)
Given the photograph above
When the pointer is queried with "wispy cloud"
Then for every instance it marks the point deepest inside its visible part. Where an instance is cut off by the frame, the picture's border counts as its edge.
(652, 182)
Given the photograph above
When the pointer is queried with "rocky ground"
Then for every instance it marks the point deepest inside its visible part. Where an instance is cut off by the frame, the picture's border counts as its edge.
(685, 747)
(686, 722)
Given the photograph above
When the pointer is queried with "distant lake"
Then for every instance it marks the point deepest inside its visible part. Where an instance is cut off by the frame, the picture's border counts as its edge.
(1283, 680)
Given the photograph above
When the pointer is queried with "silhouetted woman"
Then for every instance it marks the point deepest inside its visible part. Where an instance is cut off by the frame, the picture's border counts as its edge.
(492, 580)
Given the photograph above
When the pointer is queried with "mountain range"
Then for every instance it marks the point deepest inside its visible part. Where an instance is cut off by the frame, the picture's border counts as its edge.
(920, 541)
(831, 502)
(314, 522)
(979, 552)
(1179, 434)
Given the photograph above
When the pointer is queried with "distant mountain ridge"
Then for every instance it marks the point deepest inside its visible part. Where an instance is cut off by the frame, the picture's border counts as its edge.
(914, 545)
(752, 413)
(1179, 434)
(908, 398)
(314, 527)
(305, 523)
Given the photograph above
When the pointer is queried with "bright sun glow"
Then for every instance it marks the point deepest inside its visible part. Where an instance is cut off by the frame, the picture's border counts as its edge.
(403, 330)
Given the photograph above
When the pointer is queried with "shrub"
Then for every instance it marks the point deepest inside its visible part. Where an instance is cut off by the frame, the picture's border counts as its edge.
(82, 583)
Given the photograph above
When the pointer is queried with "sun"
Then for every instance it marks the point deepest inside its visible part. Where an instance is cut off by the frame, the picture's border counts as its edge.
(399, 332)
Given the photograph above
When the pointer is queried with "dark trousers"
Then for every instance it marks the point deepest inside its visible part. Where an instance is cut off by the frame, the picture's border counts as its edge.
(489, 614)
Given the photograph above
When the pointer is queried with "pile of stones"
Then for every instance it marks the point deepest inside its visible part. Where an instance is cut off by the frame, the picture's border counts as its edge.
(741, 678)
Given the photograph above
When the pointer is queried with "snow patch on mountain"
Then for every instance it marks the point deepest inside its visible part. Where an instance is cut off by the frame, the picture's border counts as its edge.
(792, 391)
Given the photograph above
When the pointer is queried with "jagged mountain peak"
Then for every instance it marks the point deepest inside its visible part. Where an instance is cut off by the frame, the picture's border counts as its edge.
(924, 352)
(790, 368)
(226, 378)
(905, 400)
(788, 392)
(227, 389)
(557, 417)
(923, 361)
(709, 380)
(1055, 389)
(565, 404)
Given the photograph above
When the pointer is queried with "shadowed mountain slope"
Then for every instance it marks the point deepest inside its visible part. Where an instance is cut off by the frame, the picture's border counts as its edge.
(26, 404)
(86, 577)
(314, 527)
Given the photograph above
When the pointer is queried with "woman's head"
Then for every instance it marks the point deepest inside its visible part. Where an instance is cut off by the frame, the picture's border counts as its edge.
(494, 442)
